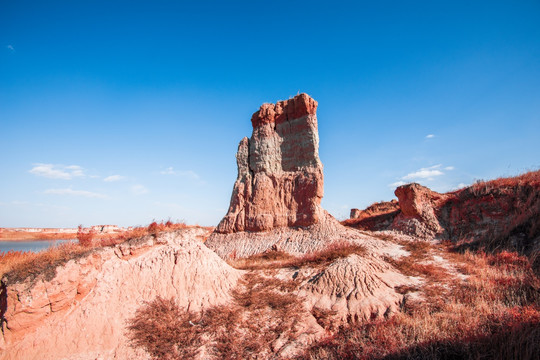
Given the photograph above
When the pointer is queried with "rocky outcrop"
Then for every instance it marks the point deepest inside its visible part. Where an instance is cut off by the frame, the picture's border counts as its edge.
(355, 213)
(82, 313)
(375, 209)
(280, 176)
(417, 206)
(378, 216)
(503, 212)
(276, 198)
(414, 213)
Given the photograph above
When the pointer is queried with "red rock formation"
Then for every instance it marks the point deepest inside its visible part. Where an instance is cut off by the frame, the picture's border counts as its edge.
(417, 204)
(378, 216)
(503, 212)
(280, 177)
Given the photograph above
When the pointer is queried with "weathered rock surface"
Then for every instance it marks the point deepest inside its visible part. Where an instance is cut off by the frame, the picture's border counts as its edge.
(276, 198)
(375, 209)
(356, 288)
(280, 177)
(295, 241)
(417, 216)
(504, 212)
(82, 312)
(378, 216)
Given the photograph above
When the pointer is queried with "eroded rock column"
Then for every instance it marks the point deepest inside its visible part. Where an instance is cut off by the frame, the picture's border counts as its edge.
(280, 175)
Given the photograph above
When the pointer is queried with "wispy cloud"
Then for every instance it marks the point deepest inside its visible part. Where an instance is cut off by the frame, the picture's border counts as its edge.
(430, 136)
(69, 191)
(113, 178)
(15, 203)
(427, 173)
(52, 171)
(397, 183)
(424, 173)
(190, 174)
(10, 48)
(138, 189)
(168, 171)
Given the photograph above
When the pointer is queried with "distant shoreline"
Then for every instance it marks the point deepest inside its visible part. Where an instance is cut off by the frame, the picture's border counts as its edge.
(42, 234)
(37, 239)
(18, 236)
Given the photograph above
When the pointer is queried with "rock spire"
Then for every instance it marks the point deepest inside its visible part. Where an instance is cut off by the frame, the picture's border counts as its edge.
(280, 175)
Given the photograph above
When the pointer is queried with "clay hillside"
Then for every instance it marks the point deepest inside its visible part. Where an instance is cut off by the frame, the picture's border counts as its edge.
(429, 276)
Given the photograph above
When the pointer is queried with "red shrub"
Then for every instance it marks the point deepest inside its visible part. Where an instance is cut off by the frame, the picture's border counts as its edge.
(85, 237)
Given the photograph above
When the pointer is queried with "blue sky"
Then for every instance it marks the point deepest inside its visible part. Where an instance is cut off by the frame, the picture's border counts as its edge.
(118, 112)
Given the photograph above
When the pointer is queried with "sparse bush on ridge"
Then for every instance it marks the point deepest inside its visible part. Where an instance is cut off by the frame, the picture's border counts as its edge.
(273, 259)
(260, 313)
(19, 265)
(85, 237)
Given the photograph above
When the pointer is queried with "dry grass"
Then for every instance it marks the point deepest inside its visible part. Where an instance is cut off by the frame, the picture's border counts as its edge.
(512, 203)
(152, 229)
(19, 265)
(419, 262)
(530, 178)
(249, 328)
(493, 314)
(274, 259)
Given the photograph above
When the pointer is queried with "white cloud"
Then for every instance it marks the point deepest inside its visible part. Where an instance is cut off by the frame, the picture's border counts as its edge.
(430, 136)
(168, 171)
(76, 170)
(424, 173)
(138, 189)
(190, 174)
(397, 183)
(15, 203)
(428, 174)
(10, 48)
(462, 185)
(70, 191)
(113, 178)
(52, 171)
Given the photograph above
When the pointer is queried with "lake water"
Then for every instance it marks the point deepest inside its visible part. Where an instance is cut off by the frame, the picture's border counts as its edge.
(30, 245)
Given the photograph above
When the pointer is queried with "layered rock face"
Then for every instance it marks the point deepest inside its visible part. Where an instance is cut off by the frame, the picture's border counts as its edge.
(418, 204)
(83, 311)
(280, 175)
(502, 211)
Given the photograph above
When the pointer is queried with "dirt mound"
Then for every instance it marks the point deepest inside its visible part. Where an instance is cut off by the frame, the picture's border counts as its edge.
(82, 312)
(356, 288)
(295, 241)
